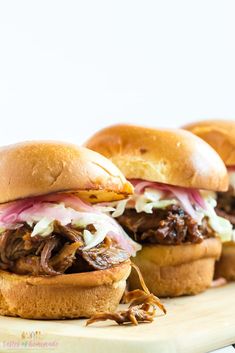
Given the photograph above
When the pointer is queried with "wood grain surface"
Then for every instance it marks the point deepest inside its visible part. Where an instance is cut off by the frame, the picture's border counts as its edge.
(193, 324)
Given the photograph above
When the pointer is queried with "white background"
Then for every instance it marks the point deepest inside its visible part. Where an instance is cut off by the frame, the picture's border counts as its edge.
(68, 68)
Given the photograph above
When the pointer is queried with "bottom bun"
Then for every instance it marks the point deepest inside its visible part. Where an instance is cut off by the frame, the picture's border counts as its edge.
(62, 296)
(225, 267)
(174, 270)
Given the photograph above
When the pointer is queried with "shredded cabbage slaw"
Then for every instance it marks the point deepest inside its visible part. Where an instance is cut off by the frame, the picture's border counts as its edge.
(41, 212)
(152, 195)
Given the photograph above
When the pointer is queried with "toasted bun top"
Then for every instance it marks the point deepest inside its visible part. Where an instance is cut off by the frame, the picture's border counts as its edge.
(171, 156)
(220, 134)
(40, 167)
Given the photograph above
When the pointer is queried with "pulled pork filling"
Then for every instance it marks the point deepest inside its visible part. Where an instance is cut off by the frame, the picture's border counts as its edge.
(142, 308)
(60, 252)
(169, 226)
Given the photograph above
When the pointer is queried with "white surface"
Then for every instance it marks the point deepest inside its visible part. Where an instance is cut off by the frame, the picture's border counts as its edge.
(69, 67)
(228, 349)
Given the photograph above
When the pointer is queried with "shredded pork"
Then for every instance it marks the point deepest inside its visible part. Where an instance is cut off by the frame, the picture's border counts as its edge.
(170, 226)
(60, 252)
(143, 307)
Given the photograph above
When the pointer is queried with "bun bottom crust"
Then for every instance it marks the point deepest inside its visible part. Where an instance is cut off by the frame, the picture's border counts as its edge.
(175, 270)
(225, 267)
(62, 296)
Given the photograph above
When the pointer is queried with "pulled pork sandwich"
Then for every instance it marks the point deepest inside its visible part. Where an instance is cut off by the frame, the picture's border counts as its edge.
(61, 256)
(221, 136)
(169, 215)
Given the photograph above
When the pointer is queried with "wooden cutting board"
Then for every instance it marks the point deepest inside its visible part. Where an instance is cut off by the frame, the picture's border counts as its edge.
(193, 324)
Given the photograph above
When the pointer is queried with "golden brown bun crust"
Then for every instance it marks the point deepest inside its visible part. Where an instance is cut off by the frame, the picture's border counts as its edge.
(174, 270)
(37, 168)
(220, 134)
(225, 267)
(63, 296)
(171, 156)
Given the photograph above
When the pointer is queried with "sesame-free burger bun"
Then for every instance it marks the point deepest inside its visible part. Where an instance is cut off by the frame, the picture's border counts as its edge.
(41, 167)
(174, 270)
(63, 296)
(171, 156)
(220, 134)
(225, 267)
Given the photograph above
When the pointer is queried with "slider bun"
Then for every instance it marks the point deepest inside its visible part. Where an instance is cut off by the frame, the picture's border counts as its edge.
(38, 168)
(220, 134)
(174, 270)
(225, 267)
(171, 156)
(63, 296)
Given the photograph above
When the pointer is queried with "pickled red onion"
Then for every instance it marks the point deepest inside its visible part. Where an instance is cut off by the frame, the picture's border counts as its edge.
(9, 212)
(186, 196)
(63, 208)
